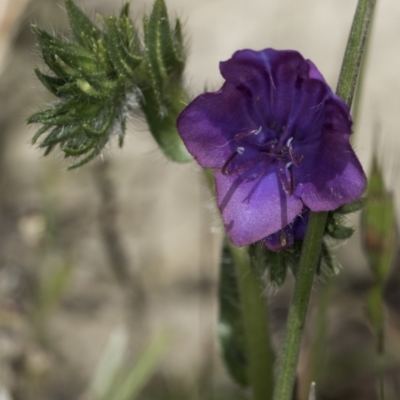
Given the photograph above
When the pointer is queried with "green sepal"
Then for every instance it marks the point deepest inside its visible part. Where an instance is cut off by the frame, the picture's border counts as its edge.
(152, 59)
(178, 39)
(327, 259)
(338, 231)
(123, 61)
(80, 149)
(96, 75)
(60, 135)
(230, 326)
(351, 207)
(128, 33)
(40, 132)
(48, 56)
(168, 54)
(104, 127)
(52, 84)
(277, 267)
(84, 30)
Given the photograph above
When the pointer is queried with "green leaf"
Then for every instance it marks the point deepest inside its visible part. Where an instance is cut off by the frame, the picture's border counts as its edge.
(379, 225)
(140, 374)
(230, 326)
(85, 32)
(124, 62)
(53, 288)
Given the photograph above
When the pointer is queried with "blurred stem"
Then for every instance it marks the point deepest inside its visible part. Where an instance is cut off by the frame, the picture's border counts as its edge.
(112, 240)
(316, 226)
(255, 320)
(318, 346)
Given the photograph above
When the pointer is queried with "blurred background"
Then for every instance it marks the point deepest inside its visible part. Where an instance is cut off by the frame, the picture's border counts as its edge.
(109, 274)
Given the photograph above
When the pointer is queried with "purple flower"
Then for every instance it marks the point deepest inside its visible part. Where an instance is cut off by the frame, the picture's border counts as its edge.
(278, 138)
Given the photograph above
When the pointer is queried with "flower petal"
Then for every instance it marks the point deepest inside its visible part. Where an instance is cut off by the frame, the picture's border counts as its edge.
(252, 210)
(287, 91)
(330, 174)
(209, 123)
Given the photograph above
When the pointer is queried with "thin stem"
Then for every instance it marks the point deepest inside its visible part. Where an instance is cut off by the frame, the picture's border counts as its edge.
(316, 225)
(255, 320)
(298, 309)
(355, 50)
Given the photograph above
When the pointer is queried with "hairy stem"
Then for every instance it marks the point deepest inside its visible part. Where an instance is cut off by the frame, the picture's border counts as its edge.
(260, 357)
(316, 226)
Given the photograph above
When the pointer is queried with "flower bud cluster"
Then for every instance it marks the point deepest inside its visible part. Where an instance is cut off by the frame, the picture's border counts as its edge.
(96, 76)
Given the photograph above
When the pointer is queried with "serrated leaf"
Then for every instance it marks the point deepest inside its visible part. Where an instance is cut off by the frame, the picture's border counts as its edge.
(84, 30)
(230, 327)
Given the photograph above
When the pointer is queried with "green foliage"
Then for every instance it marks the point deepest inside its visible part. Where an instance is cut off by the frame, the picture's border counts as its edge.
(276, 263)
(379, 238)
(230, 325)
(112, 381)
(105, 73)
(379, 225)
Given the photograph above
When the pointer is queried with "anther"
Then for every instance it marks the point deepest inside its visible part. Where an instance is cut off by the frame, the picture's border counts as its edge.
(289, 164)
(256, 132)
(240, 150)
(289, 142)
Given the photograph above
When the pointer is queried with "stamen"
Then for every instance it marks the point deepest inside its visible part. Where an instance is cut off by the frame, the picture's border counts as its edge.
(224, 169)
(287, 183)
(244, 166)
(258, 130)
(291, 182)
(296, 161)
(242, 135)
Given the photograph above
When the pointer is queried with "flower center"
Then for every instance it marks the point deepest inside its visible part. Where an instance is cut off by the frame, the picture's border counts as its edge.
(278, 151)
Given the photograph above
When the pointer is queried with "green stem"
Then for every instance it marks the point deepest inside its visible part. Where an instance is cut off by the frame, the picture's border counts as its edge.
(298, 309)
(255, 320)
(355, 50)
(316, 225)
